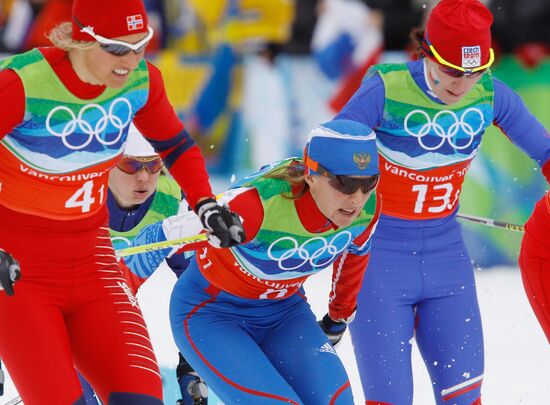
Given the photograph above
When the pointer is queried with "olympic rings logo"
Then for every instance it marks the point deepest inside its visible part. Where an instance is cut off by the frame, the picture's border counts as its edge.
(87, 126)
(305, 253)
(121, 242)
(474, 62)
(449, 132)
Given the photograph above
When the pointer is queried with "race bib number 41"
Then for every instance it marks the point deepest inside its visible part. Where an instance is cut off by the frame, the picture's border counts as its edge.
(63, 196)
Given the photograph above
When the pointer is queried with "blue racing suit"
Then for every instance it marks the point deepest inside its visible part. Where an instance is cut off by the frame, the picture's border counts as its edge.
(420, 280)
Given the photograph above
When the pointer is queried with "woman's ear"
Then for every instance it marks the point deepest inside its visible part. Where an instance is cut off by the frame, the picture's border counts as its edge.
(309, 179)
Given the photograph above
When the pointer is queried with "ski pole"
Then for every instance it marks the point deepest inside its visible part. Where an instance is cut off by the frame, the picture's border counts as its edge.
(14, 401)
(201, 237)
(491, 222)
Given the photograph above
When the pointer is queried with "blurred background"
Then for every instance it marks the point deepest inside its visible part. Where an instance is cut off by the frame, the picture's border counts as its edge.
(250, 78)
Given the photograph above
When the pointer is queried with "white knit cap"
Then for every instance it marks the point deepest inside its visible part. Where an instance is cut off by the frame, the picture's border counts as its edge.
(136, 145)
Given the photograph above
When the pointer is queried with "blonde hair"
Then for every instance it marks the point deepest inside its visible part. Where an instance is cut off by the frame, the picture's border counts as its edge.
(61, 37)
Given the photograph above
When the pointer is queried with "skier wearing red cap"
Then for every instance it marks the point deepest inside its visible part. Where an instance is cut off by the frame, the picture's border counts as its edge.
(65, 113)
(429, 117)
(534, 262)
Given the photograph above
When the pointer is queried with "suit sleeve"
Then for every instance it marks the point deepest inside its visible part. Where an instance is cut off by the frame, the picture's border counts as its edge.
(161, 126)
(347, 277)
(139, 267)
(348, 272)
(12, 101)
(367, 104)
(513, 118)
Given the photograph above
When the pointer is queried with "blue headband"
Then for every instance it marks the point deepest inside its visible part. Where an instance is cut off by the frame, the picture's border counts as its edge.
(343, 147)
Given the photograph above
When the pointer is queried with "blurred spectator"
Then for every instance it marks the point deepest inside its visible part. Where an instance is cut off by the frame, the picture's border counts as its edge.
(46, 15)
(305, 18)
(25, 23)
(392, 20)
(347, 33)
(295, 86)
(522, 28)
(16, 18)
(156, 10)
(216, 38)
(397, 19)
(5, 7)
(346, 42)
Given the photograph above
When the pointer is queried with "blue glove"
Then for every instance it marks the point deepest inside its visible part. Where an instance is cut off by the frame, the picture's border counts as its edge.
(144, 264)
(333, 329)
(224, 228)
(9, 272)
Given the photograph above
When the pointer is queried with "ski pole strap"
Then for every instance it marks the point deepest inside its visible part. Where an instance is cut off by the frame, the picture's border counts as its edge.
(201, 237)
(491, 222)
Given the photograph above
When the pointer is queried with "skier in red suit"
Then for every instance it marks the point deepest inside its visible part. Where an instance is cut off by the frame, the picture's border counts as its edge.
(534, 262)
(64, 117)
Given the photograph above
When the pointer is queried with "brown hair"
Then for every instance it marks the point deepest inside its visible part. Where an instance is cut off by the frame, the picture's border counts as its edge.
(294, 174)
(420, 47)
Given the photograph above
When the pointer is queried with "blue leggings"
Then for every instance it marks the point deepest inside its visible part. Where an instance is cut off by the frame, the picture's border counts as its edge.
(261, 352)
(419, 283)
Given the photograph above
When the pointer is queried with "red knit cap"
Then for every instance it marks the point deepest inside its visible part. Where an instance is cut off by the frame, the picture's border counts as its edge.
(108, 18)
(460, 32)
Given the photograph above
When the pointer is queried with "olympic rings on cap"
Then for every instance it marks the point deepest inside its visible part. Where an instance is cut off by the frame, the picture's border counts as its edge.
(448, 132)
(309, 251)
(89, 125)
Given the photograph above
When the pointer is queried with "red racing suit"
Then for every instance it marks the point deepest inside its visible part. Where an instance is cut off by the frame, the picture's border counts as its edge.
(72, 306)
(534, 262)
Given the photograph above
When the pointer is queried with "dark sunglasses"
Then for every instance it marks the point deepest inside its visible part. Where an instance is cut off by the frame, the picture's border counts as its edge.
(120, 49)
(132, 165)
(347, 184)
(457, 73)
(114, 47)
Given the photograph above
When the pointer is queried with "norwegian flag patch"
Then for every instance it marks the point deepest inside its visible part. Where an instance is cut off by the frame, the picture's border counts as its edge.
(471, 56)
(135, 22)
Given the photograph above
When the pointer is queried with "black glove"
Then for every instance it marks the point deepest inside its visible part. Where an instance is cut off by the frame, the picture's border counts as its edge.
(224, 228)
(333, 329)
(9, 272)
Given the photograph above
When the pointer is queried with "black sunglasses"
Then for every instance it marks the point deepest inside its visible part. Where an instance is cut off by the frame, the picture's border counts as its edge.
(119, 49)
(347, 184)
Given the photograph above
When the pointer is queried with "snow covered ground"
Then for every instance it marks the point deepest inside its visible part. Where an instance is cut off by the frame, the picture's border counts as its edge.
(517, 353)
